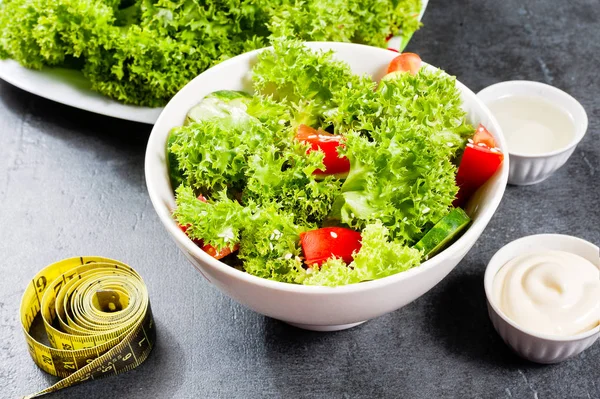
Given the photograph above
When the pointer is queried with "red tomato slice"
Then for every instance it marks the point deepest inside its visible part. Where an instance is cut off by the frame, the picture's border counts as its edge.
(405, 62)
(479, 162)
(212, 251)
(483, 136)
(209, 249)
(328, 143)
(201, 198)
(328, 242)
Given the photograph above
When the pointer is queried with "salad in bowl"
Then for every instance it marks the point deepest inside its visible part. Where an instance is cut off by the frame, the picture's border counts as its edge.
(327, 175)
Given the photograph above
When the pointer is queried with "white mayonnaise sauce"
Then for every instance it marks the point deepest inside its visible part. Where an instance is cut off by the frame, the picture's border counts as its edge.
(533, 125)
(551, 292)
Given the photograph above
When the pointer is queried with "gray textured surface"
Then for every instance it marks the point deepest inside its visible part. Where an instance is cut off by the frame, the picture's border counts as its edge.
(71, 183)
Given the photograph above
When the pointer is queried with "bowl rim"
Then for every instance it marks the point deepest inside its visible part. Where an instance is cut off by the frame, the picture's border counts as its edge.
(494, 266)
(164, 214)
(506, 89)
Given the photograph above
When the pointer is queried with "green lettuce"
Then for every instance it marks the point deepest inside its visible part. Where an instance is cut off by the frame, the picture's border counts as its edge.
(401, 141)
(296, 77)
(253, 157)
(401, 137)
(143, 51)
(218, 222)
(284, 176)
(270, 245)
(213, 154)
(367, 21)
(268, 236)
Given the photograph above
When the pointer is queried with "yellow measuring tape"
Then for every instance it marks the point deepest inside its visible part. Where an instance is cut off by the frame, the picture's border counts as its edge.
(97, 317)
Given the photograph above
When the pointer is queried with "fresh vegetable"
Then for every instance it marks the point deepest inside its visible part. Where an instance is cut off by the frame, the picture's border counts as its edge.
(480, 160)
(175, 173)
(405, 62)
(327, 242)
(226, 106)
(483, 136)
(401, 172)
(401, 138)
(144, 51)
(328, 143)
(444, 231)
(221, 104)
(209, 249)
(379, 257)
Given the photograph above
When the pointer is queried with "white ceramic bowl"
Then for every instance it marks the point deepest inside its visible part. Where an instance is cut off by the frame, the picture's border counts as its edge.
(526, 169)
(316, 308)
(539, 348)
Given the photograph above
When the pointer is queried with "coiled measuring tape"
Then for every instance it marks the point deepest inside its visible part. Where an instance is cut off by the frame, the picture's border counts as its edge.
(97, 317)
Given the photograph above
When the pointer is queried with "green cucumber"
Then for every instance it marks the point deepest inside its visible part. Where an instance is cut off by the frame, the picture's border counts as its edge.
(220, 104)
(443, 232)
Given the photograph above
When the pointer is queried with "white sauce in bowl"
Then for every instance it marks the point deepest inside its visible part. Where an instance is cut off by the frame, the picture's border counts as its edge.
(551, 292)
(533, 125)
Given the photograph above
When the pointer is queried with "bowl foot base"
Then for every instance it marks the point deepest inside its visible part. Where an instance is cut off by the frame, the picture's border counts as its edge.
(336, 327)
(526, 183)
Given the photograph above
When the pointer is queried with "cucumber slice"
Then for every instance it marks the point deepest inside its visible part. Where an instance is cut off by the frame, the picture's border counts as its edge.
(443, 232)
(221, 104)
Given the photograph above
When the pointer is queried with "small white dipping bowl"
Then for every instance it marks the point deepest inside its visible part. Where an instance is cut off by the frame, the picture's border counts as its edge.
(310, 307)
(533, 346)
(526, 169)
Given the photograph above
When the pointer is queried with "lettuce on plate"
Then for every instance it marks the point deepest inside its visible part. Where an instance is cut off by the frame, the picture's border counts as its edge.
(144, 51)
(401, 136)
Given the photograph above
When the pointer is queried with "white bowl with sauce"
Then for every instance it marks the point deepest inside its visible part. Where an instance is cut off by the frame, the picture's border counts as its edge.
(527, 341)
(542, 125)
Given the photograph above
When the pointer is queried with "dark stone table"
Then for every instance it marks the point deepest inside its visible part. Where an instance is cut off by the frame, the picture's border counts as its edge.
(72, 183)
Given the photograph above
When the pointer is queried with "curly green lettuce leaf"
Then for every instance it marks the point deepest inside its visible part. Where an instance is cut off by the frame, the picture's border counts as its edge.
(214, 153)
(403, 179)
(333, 272)
(270, 245)
(360, 21)
(404, 19)
(47, 32)
(401, 140)
(222, 104)
(218, 222)
(284, 176)
(275, 115)
(429, 98)
(302, 79)
(144, 51)
(234, 149)
(268, 237)
(380, 257)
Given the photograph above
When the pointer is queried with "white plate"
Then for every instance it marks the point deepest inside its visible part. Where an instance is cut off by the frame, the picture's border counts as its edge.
(70, 87)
